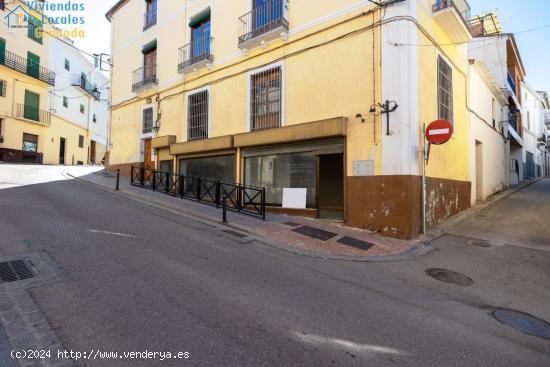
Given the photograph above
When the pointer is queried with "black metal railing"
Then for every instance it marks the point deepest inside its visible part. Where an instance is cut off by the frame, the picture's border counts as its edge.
(33, 113)
(149, 19)
(86, 86)
(195, 52)
(27, 67)
(243, 199)
(144, 76)
(461, 6)
(264, 18)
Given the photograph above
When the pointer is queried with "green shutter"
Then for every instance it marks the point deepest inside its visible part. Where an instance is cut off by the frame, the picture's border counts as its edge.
(32, 106)
(2, 51)
(33, 65)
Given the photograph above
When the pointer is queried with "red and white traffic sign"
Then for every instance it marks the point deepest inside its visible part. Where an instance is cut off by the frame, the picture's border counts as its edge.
(439, 132)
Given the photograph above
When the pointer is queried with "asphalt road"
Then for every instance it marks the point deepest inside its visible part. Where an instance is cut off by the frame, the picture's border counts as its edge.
(140, 278)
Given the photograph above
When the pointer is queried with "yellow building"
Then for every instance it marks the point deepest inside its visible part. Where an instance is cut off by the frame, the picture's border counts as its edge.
(30, 129)
(290, 94)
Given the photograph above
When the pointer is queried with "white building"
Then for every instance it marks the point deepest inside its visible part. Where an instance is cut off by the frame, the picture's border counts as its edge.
(535, 132)
(81, 95)
(489, 150)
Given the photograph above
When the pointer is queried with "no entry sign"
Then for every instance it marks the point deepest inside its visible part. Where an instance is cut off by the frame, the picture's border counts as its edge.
(439, 132)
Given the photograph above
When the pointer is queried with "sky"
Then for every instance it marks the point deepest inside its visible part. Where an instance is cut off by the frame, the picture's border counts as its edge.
(515, 16)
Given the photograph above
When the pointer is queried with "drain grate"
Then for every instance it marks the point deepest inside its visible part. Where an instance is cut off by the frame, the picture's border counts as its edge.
(316, 233)
(292, 224)
(523, 322)
(12, 271)
(235, 233)
(480, 243)
(449, 276)
(354, 242)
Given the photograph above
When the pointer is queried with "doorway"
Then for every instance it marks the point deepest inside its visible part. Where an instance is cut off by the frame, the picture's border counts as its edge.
(330, 182)
(61, 150)
(479, 171)
(147, 163)
(92, 152)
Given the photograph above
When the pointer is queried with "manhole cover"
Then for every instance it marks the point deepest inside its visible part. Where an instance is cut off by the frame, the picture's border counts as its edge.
(316, 233)
(354, 242)
(12, 271)
(480, 243)
(523, 322)
(449, 276)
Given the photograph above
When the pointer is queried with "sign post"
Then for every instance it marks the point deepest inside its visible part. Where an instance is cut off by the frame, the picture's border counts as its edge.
(437, 133)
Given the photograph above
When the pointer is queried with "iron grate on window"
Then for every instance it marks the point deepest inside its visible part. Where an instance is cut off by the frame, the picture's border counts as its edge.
(444, 90)
(3, 86)
(265, 101)
(12, 271)
(197, 116)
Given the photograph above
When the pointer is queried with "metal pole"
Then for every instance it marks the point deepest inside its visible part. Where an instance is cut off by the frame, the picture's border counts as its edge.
(224, 209)
(424, 211)
(118, 179)
(263, 204)
(387, 108)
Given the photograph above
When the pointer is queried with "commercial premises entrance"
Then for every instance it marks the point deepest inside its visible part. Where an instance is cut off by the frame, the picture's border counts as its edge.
(317, 167)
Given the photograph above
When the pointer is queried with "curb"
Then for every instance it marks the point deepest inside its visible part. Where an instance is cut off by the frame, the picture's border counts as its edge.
(413, 253)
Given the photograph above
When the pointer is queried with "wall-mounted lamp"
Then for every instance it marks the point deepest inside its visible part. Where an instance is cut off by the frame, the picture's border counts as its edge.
(387, 107)
(360, 116)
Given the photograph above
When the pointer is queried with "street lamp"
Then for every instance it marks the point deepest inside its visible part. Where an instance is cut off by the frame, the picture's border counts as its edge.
(387, 107)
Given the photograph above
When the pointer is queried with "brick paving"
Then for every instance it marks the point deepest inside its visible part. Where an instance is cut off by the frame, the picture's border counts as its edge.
(274, 228)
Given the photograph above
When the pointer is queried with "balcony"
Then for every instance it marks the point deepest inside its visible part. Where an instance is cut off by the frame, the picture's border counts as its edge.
(33, 114)
(22, 65)
(149, 19)
(86, 86)
(454, 17)
(195, 54)
(263, 24)
(144, 77)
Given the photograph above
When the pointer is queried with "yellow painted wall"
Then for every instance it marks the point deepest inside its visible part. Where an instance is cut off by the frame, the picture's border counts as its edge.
(335, 79)
(449, 160)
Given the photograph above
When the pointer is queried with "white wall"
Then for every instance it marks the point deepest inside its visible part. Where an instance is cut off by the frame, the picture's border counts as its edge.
(484, 139)
(79, 63)
(533, 124)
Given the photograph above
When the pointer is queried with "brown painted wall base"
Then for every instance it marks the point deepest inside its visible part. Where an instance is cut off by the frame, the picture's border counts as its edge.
(392, 205)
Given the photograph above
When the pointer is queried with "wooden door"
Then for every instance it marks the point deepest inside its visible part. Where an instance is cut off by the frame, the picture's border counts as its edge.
(92, 152)
(149, 65)
(147, 163)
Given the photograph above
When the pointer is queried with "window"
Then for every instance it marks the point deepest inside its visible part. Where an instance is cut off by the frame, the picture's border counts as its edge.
(30, 143)
(197, 116)
(1, 4)
(265, 99)
(80, 141)
(65, 102)
(147, 123)
(35, 29)
(528, 120)
(82, 108)
(3, 86)
(94, 118)
(31, 107)
(150, 62)
(200, 37)
(67, 65)
(33, 65)
(219, 168)
(150, 14)
(444, 90)
(493, 112)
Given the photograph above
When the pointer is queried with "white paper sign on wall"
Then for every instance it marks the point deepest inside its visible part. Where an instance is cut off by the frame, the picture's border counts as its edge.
(294, 198)
(363, 168)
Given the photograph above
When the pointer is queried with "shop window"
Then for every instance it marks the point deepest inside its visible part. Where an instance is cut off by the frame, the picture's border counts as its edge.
(276, 172)
(220, 168)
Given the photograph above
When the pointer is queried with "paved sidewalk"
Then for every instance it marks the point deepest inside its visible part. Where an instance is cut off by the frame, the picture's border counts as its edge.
(279, 230)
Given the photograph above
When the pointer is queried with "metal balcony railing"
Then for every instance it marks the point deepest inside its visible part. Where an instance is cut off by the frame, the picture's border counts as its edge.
(195, 52)
(86, 86)
(33, 114)
(264, 18)
(27, 67)
(511, 83)
(149, 19)
(144, 76)
(461, 6)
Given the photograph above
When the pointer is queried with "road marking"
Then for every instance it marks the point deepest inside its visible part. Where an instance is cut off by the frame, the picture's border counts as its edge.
(349, 345)
(438, 131)
(111, 233)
